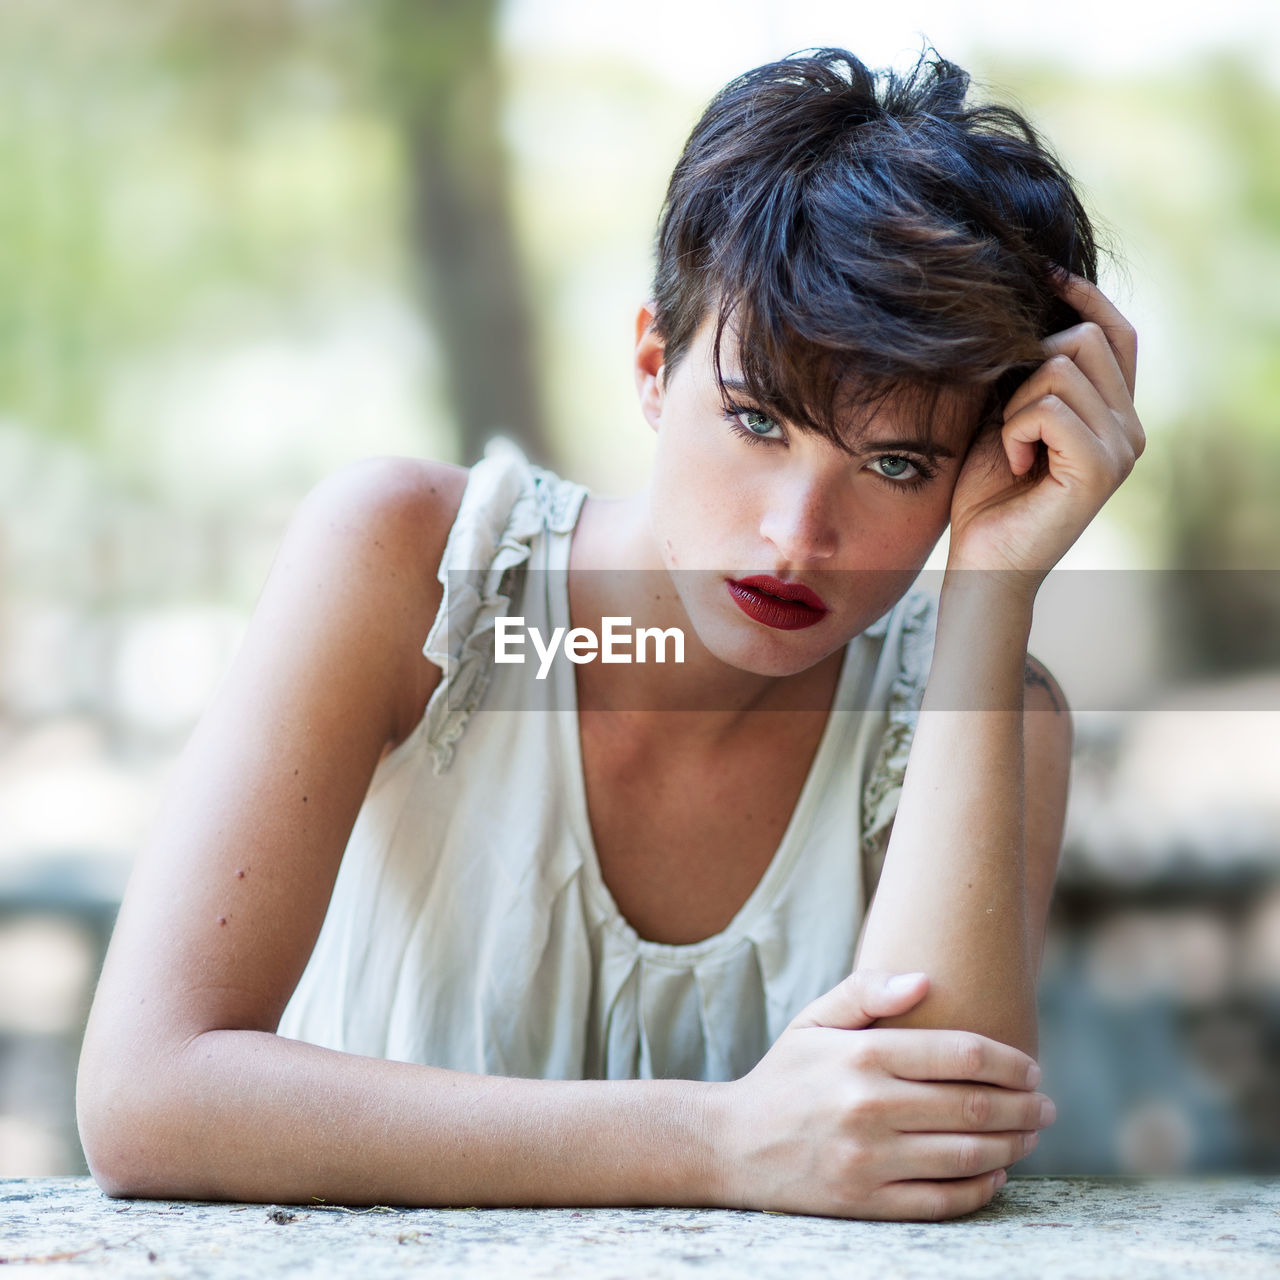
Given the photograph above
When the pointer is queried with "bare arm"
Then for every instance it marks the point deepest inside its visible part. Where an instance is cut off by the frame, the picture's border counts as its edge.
(247, 1115)
(968, 876)
(969, 870)
(184, 1087)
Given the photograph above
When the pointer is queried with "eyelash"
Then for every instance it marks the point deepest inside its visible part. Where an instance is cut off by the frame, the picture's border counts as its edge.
(926, 470)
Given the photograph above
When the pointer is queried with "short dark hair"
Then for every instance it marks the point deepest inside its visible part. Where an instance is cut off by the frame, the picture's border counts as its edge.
(865, 235)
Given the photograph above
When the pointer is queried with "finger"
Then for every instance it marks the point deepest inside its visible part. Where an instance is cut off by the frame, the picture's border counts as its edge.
(1060, 376)
(1088, 350)
(934, 1201)
(1087, 347)
(924, 1053)
(864, 996)
(964, 1108)
(1075, 452)
(955, 1155)
(1091, 304)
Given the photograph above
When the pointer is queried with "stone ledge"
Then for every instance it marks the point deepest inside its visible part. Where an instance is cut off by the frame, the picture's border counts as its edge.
(1092, 1228)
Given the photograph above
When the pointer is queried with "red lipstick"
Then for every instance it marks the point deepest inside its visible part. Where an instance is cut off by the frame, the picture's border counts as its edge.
(785, 606)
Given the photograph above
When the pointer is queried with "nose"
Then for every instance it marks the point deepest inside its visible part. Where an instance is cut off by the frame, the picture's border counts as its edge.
(800, 522)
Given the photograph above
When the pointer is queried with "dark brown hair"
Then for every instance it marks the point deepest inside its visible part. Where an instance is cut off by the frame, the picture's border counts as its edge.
(865, 235)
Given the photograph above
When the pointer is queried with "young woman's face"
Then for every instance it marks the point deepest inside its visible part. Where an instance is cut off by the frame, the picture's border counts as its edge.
(735, 495)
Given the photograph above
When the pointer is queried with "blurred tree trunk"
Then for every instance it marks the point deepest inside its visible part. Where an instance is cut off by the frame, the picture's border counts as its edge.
(438, 64)
(433, 66)
(1224, 596)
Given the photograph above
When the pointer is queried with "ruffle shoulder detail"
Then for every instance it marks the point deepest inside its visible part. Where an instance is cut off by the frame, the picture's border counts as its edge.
(506, 504)
(916, 626)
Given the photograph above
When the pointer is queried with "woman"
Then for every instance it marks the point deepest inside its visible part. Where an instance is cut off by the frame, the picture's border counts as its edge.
(601, 954)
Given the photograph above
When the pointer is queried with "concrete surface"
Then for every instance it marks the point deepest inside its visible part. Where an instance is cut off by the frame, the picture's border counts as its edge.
(1055, 1228)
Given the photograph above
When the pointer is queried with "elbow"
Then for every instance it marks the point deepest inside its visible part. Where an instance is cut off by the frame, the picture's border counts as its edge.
(113, 1173)
(130, 1163)
(120, 1159)
(112, 1162)
(127, 1128)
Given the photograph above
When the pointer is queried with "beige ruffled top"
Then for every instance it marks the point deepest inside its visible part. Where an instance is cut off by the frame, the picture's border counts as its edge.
(470, 926)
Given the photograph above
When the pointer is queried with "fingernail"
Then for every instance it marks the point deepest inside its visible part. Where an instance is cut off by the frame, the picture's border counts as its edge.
(901, 983)
(999, 1178)
(1048, 1112)
(1030, 1141)
(1034, 1075)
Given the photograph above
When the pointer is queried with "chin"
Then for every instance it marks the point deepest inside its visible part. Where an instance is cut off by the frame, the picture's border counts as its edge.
(761, 651)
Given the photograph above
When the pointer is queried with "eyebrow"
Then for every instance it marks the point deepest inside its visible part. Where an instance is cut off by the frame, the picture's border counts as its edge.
(927, 451)
(863, 445)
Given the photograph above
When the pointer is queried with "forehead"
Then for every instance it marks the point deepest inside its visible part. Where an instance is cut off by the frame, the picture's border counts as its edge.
(943, 418)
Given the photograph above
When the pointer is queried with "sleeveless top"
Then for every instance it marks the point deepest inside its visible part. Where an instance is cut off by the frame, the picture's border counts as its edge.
(469, 926)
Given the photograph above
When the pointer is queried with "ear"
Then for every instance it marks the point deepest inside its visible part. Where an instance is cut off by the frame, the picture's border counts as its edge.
(649, 366)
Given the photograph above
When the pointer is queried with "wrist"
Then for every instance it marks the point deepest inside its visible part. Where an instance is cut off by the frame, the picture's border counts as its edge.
(980, 646)
(717, 1182)
(1008, 589)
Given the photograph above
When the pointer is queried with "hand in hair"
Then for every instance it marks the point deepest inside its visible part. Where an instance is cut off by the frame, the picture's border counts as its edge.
(1070, 437)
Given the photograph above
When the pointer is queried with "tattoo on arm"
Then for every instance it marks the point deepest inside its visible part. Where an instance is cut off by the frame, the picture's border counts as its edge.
(1034, 674)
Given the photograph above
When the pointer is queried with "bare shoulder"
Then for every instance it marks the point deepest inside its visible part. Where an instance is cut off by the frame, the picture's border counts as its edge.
(401, 506)
(369, 539)
(229, 891)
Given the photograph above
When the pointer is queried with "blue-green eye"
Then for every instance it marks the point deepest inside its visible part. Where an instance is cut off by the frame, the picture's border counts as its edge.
(753, 426)
(898, 471)
(895, 466)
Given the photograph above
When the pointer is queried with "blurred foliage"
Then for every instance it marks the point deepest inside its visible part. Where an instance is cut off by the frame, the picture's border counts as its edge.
(1185, 171)
(145, 188)
(211, 172)
(182, 177)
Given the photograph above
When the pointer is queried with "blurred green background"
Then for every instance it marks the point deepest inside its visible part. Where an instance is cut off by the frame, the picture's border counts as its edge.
(244, 243)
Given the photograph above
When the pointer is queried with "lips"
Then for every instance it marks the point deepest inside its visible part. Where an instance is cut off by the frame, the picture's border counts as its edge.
(785, 606)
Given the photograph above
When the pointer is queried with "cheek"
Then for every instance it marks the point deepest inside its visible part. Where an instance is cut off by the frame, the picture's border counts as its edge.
(684, 527)
(902, 531)
(669, 507)
(931, 510)
(929, 527)
(691, 504)
(935, 516)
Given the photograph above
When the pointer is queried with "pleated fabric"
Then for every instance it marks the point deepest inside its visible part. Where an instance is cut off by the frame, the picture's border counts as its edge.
(469, 925)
